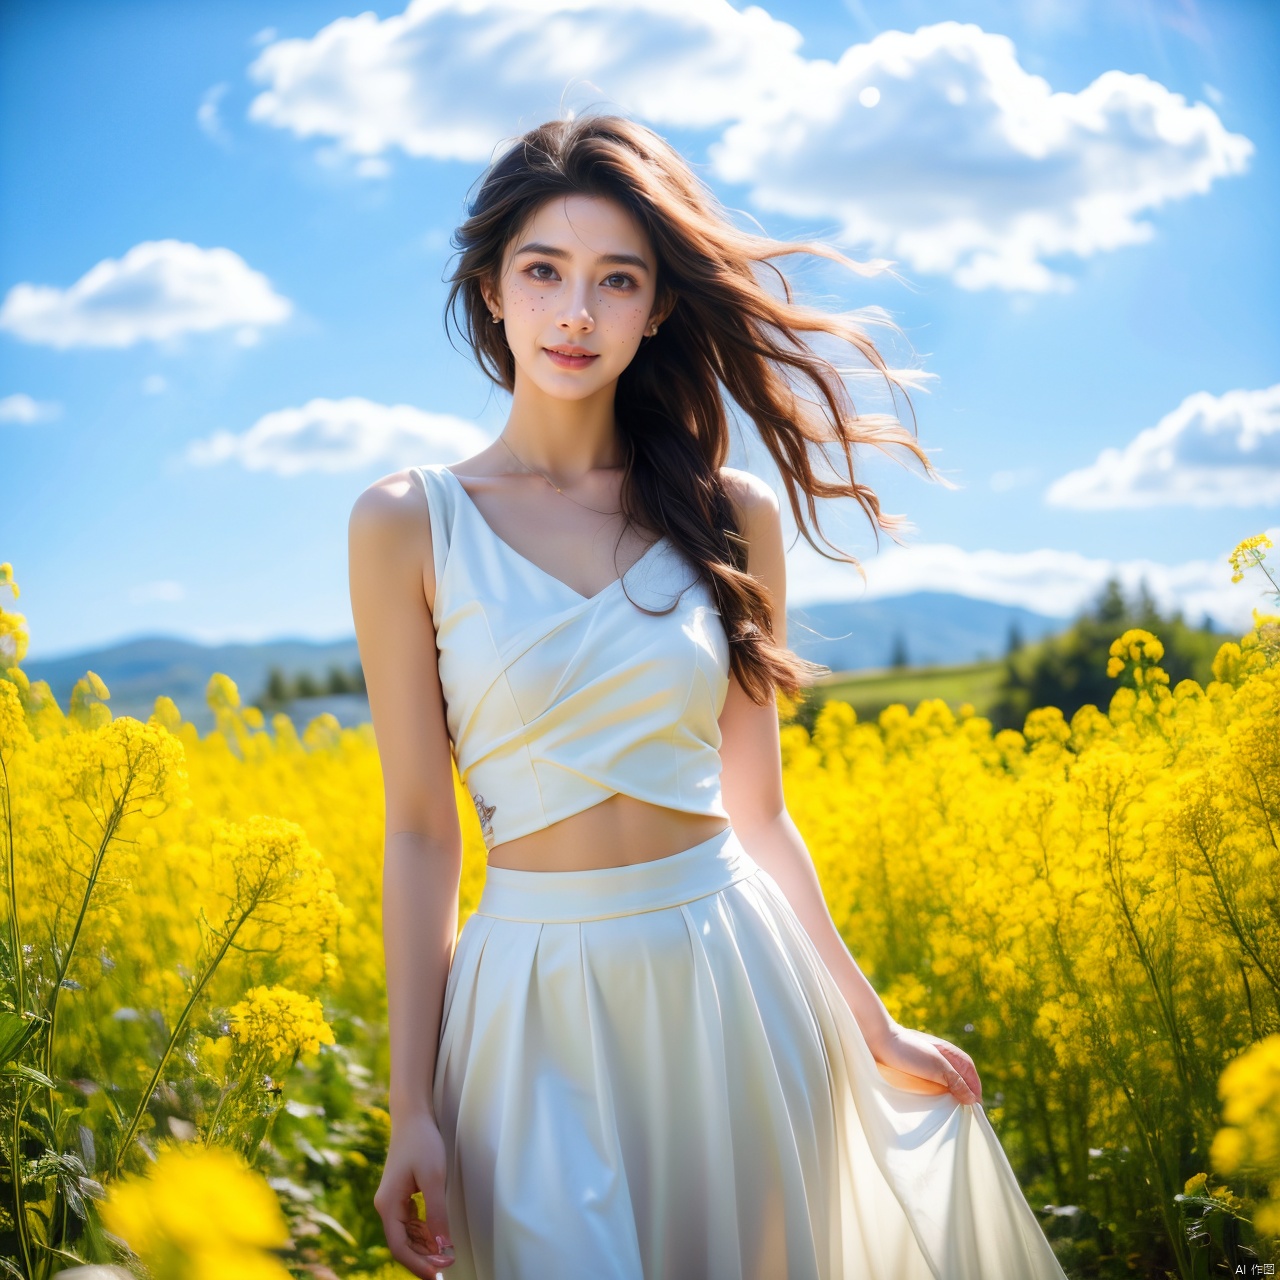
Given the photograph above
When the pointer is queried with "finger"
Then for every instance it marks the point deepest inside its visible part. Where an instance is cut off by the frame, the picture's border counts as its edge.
(433, 1243)
(435, 1246)
(960, 1081)
(435, 1229)
(964, 1064)
(436, 1226)
(412, 1246)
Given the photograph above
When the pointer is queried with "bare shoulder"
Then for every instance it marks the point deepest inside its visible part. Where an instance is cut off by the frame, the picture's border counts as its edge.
(390, 525)
(395, 500)
(753, 499)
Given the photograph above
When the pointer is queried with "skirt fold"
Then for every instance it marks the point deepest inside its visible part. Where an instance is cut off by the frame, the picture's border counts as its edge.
(648, 1073)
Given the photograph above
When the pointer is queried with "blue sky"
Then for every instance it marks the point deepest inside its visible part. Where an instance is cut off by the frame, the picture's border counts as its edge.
(224, 230)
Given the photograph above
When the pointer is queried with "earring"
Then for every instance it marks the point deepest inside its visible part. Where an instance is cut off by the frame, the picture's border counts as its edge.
(495, 319)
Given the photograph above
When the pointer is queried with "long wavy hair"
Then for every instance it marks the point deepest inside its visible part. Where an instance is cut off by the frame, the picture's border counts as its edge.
(726, 333)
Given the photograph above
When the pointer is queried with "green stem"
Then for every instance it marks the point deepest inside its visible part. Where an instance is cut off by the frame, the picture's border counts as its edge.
(91, 882)
(222, 1102)
(108, 834)
(132, 1129)
(15, 1168)
(15, 930)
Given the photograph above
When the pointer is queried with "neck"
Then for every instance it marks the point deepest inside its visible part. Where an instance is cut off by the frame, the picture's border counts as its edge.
(565, 438)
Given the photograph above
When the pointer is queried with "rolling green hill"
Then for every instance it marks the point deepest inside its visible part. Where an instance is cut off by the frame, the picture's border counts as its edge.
(1066, 670)
(870, 692)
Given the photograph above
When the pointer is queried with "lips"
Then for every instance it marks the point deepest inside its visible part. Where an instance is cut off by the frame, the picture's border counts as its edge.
(570, 357)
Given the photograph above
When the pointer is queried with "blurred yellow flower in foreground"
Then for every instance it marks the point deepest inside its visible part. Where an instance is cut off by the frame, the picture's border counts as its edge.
(1250, 1091)
(199, 1214)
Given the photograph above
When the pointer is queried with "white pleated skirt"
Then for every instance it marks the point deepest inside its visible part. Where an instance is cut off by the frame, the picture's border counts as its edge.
(648, 1073)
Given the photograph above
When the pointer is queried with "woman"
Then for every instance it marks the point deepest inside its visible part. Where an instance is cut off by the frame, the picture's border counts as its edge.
(650, 1054)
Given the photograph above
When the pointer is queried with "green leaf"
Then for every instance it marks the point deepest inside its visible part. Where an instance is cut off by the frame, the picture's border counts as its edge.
(28, 1073)
(15, 1031)
(315, 1215)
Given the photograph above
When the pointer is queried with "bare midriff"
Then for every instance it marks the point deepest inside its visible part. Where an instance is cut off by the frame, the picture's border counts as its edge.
(617, 832)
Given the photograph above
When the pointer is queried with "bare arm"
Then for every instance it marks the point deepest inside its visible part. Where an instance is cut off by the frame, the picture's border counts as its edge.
(390, 565)
(751, 757)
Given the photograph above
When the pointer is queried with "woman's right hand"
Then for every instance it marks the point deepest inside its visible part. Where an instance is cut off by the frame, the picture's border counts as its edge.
(415, 1162)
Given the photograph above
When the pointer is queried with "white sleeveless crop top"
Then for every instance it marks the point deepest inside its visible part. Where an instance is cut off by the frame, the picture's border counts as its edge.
(555, 700)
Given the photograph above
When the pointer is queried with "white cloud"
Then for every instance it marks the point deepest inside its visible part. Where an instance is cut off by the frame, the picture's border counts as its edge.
(341, 435)
(207, 116)
(970, 166)
(158, 291)
(1056, 583)
(22, 408)
(1211, 451)
(935, 146)
(448, 79)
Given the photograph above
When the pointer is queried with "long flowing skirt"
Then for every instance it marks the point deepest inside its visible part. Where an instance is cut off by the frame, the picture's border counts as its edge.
(648, 1073)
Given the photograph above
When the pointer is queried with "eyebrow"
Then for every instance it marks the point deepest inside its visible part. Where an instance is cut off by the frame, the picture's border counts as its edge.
(614, 259)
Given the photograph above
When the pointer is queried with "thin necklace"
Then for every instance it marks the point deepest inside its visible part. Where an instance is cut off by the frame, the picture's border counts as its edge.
(535, 472)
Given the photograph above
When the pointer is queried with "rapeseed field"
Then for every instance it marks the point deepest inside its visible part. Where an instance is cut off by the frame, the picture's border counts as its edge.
(193, 1018)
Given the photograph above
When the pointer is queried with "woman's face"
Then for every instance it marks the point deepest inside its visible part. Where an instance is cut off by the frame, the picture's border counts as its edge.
(576, 295)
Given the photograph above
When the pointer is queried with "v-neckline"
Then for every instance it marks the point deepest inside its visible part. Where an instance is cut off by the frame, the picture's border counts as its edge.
(470, 501)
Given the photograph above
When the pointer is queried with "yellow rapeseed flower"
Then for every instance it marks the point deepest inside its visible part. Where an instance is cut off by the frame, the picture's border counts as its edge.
(14, 730)
(199, 1213)
(1250, 552)
(1137, 646)
(278, 1022)
(1250, 1137)
(13, 626)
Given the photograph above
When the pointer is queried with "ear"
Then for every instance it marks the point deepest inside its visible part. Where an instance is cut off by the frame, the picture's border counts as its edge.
(489, 292)
(663, 306)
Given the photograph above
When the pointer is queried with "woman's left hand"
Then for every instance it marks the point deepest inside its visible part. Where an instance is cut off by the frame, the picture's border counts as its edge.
(931, 1058)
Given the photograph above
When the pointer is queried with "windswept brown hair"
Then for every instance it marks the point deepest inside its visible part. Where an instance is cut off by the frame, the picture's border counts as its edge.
(726, 332)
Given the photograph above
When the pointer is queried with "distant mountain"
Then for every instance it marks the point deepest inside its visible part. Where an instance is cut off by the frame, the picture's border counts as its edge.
(137, 672)
(928, 628)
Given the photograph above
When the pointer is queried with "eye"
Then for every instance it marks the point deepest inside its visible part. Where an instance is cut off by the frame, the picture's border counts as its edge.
(620, 280)
(535, 269)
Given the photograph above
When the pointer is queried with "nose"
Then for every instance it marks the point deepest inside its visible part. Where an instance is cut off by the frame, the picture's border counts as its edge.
(576, 316)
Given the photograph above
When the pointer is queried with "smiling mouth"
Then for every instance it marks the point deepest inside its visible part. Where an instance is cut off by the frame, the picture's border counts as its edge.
(572, 358)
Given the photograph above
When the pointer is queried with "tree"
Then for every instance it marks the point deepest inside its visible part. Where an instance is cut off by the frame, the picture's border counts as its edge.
(898, 657)
(277, 690)
(1069, 670)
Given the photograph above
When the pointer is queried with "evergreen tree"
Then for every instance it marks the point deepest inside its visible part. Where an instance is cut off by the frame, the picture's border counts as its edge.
(278, 690)
(898, 657)
(1070, 670)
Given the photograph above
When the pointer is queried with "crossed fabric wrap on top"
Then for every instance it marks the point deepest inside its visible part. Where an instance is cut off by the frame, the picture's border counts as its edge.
(556, 700)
